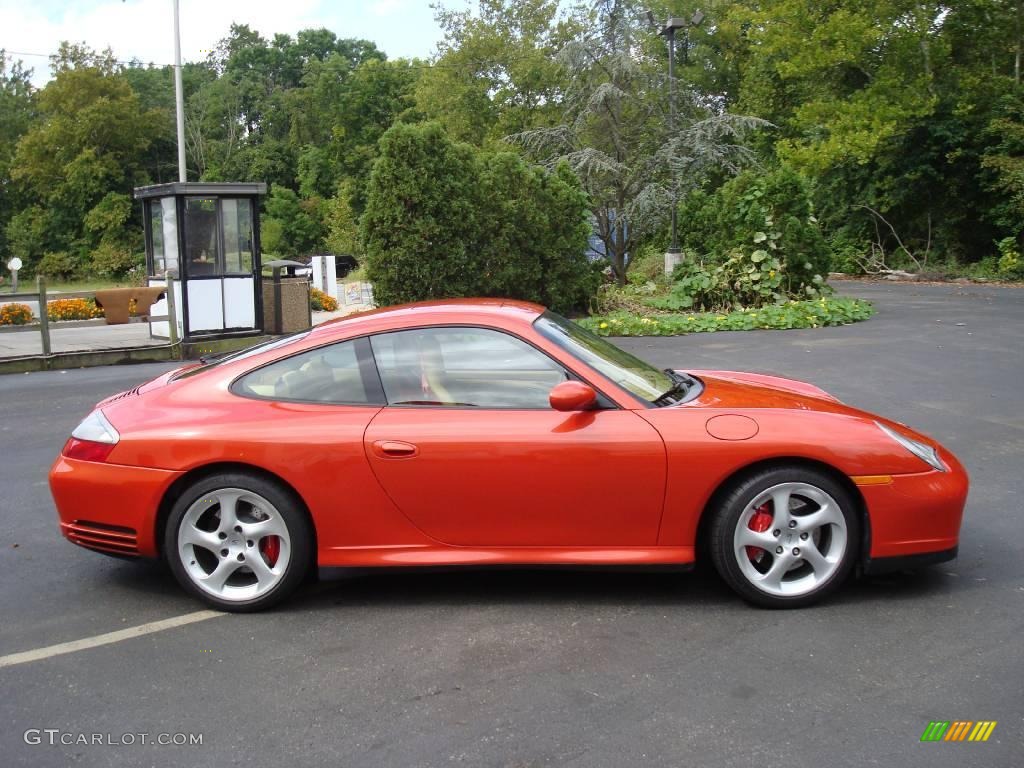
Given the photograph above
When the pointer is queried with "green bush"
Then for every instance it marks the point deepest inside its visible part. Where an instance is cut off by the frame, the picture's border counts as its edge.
(749, 277)
(792, 314)
(1011, 265)
(112, 259)
(648, 265)
(293, 226)
(271, 237)
(848, 253)
(760, 207)
(443, 220)
(27, 236)
(634, 297)
(986, 268)
(58, 264)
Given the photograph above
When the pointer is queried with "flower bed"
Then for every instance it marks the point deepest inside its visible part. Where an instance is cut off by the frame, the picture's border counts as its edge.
(15, 314)
(792, 314)
(73, 309)
(322, 302)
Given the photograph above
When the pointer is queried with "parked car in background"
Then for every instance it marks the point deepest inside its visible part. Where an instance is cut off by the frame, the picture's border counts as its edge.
(344, 264)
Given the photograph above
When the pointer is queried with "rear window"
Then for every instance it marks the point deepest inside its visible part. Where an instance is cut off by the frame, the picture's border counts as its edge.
(330, 374)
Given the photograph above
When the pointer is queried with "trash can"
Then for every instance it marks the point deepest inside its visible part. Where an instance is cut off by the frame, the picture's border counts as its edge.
(286, 307)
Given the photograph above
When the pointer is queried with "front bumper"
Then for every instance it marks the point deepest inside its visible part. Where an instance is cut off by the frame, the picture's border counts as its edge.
(110, 508)
(908, 562)
(917, 514)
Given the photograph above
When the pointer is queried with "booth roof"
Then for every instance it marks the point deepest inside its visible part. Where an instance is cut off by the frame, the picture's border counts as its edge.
(224, 188)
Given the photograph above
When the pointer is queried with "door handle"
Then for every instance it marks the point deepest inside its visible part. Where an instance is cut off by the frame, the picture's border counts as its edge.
(394, 449)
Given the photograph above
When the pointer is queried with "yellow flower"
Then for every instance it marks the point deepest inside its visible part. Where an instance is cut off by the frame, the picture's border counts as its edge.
(771, 273)
(604, 325)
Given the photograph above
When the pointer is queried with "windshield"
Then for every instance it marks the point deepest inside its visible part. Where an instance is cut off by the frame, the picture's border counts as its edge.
(206, 363)
(630, 373)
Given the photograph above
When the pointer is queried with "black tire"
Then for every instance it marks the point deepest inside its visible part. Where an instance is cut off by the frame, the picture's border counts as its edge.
(299, 539)
(808, 584)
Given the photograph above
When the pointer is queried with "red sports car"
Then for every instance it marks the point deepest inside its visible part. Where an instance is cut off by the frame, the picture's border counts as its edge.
(493, 432)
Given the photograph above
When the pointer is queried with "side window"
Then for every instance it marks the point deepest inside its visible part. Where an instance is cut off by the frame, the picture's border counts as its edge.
(202, 248)
(328, 374)
(464, 367)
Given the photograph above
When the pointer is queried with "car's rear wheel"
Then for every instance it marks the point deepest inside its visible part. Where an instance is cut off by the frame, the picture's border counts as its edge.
(238, 542)
(785, 537)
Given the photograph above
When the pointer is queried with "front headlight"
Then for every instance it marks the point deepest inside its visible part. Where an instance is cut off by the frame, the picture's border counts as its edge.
(924, 452)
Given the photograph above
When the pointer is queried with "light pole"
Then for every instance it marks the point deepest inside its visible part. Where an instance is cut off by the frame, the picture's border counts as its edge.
(673, 255)
(179, 100)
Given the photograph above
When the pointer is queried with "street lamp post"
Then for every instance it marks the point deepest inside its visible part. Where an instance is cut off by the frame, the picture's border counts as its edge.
(673, 256)
(179, 100)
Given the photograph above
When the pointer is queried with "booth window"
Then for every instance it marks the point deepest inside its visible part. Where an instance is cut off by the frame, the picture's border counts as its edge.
(163, 236)
(219, 236)
(236, 220)
(201, 246)
(156, 234)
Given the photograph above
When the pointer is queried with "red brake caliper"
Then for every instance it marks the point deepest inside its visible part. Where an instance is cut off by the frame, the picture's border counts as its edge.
(760, 521)
(270, 546)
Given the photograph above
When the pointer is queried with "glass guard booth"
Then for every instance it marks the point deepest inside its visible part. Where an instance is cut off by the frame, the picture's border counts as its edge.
(207, 237)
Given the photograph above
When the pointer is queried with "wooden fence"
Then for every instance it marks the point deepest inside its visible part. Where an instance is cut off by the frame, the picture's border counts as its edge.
(41, 296)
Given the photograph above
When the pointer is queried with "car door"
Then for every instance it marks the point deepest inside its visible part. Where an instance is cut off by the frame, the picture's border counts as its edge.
(470, 450)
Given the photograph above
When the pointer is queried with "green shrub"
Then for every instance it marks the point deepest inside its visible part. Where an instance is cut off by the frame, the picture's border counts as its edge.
(420, 227)
(760, 207)
(792, 314)
(632, 297)
(293, 226)
(60, 265)
(648, 265)
(986, 267)
(111, 259)
(137, 275)
(750, 277)
(271, 237)
(1010, 263)
(848, 254)
(444, 220)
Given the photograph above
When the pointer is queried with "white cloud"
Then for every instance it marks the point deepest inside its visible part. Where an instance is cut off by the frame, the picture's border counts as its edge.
(143, 29)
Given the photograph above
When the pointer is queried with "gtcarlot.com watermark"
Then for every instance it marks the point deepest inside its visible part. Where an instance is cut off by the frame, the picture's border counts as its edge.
(56, 737)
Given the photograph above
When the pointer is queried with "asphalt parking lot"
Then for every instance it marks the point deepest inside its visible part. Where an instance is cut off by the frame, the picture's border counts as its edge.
(524, 668)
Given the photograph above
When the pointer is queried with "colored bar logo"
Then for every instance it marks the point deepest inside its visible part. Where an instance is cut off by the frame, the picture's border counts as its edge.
(958, 730)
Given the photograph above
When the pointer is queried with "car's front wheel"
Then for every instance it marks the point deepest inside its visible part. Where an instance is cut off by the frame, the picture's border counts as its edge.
(785, 537)
(238, 542)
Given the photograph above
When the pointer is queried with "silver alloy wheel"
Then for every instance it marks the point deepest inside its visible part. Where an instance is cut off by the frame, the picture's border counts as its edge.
(800, 549)
(234, 544)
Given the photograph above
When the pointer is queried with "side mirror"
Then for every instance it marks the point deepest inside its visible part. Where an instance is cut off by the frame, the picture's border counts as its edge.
(572, 396)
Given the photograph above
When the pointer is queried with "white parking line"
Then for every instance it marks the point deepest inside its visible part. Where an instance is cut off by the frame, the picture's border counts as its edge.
(106, 639)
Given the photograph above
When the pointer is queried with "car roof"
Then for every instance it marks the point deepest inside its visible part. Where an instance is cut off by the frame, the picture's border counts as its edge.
(497, 311)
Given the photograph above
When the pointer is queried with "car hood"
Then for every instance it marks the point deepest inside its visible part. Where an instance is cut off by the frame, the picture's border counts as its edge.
(735, 389)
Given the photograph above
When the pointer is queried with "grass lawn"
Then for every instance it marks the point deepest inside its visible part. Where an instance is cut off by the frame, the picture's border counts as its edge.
(95, 284)
(357, 275)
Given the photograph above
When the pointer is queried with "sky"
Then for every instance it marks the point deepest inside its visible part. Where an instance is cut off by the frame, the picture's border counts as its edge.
(143, 29)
